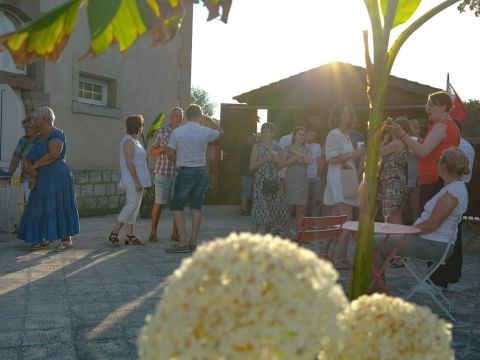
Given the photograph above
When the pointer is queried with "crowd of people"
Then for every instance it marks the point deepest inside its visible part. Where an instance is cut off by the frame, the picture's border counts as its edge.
(297, 175)
(422, 163)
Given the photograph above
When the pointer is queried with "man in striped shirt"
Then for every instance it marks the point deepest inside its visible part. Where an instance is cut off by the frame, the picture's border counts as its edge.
(165, 170)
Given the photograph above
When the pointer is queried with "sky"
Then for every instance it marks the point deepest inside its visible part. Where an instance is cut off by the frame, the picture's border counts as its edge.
(268, 40)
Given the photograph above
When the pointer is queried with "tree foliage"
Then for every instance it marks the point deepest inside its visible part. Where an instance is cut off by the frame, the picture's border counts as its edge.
(201, 97)
(473, 5)
(471, 125)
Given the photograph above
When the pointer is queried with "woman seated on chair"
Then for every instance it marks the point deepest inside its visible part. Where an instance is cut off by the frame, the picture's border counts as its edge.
(440, 218)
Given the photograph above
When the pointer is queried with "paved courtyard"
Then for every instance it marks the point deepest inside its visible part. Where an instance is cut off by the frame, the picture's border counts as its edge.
(90, 302)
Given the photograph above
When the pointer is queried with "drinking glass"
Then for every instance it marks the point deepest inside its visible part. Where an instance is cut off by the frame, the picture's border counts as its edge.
(386, 209)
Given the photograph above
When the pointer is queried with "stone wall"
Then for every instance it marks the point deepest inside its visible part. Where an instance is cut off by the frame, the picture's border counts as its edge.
(98, 192)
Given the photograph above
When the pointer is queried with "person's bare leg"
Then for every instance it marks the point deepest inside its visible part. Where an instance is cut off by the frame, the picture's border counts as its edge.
(180, 222)
(299, 215)
(196, 222)
(174, 231)
(116, 228)
(291, 212)
(343, 209)
(268, 229)
(326, 211)
(243, 204)
(129, 230)
(156, 212)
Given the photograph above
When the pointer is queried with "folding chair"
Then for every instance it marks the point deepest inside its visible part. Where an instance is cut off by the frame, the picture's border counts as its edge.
(416, 267)
(473, 223)
(9, 209)
(318, 228)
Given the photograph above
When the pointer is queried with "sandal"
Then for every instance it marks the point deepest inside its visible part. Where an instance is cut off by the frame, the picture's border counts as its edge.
(396, 263)
(45, 245)
(113, 238)
(64, 245)
(192, 246)
(133, 240)
(152, 238)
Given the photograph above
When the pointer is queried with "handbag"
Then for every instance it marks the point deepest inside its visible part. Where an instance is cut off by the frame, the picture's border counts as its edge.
(270, 186)
(349, 182)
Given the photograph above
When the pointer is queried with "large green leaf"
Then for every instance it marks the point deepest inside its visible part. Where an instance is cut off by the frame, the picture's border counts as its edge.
(45, 37)
(405, 9)
(110, 22)
(157, 123)
(114, 21)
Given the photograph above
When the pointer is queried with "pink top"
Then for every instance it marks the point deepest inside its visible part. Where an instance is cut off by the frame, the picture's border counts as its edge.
(385, 229)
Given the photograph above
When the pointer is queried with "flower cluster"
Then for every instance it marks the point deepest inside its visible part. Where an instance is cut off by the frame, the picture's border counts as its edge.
(383, 327)
(246, 296)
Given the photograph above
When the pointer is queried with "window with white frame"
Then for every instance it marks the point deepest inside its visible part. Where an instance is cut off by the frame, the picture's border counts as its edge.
(92, 90)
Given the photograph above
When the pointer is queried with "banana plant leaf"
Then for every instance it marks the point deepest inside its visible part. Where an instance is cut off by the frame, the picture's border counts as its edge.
(156, 124)
(45, 37)
(404, 11)
(110, 22)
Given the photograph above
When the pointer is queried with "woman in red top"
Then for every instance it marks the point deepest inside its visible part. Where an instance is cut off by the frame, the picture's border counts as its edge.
(442, 134)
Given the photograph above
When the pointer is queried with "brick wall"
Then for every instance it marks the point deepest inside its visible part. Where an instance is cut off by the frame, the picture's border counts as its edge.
(98, 192)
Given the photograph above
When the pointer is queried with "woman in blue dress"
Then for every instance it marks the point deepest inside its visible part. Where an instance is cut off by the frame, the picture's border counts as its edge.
(51, 212)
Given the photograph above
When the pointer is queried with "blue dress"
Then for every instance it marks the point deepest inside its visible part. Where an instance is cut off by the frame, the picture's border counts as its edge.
(51, 212)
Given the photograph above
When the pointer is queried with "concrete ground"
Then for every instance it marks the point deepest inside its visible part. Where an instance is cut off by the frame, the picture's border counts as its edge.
(90, 302)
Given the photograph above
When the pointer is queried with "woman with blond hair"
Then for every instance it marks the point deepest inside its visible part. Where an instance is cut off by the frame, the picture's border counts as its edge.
(134, 178)
(51, 212)
(441, 215)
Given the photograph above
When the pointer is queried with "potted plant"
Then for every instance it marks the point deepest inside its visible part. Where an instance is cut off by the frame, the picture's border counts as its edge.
(149, 193)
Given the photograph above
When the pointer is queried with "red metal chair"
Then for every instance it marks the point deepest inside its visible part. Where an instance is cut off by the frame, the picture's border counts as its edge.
(318, 228)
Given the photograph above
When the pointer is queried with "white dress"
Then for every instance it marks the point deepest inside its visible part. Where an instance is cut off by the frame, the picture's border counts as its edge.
(336, 144)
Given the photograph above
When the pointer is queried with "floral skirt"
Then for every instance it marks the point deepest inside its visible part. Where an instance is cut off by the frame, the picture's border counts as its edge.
(395, 190)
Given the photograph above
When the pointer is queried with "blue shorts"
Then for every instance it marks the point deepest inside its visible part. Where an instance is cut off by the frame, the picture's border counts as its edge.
(191, 184)
(247, 186)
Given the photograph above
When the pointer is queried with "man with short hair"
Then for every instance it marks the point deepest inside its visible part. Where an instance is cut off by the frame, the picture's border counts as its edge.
(165, 170)
(188, 145)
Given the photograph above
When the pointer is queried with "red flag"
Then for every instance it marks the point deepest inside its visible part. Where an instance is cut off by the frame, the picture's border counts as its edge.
(458, 111)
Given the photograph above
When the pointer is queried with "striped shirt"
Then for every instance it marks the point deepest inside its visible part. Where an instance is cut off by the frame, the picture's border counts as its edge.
(164, 166)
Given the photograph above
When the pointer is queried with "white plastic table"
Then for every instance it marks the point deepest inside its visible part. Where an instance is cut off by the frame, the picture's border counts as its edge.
(387, 230)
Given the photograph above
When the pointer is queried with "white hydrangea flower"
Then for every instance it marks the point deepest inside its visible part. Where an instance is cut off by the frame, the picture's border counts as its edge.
(246, 297)
(389, 328)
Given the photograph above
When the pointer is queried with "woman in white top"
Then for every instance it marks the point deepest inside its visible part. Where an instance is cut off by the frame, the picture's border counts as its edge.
(134, 178)
(442, 214)
(340, 155)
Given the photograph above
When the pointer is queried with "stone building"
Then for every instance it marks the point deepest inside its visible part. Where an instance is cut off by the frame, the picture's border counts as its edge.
(91, 97)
